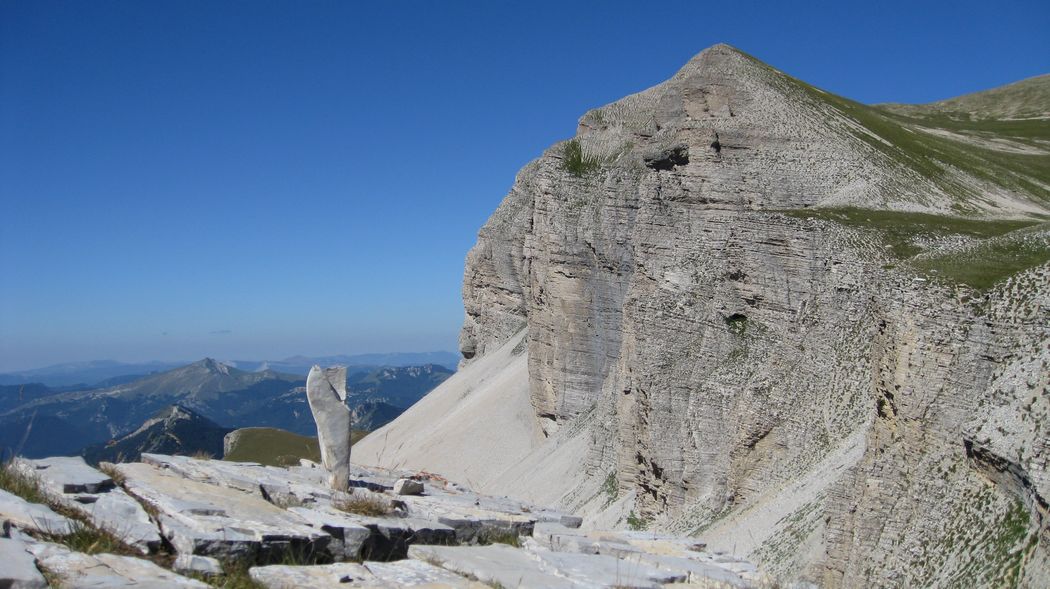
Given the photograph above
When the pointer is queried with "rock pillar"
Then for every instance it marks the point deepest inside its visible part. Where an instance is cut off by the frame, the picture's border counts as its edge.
(326, 391)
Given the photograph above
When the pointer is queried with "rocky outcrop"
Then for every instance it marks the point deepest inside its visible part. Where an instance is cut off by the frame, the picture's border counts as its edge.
(752, 314)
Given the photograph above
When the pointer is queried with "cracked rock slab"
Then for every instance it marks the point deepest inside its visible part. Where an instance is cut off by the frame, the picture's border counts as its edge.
(76, 570)
(18, 567)
(32, 516)
(379, 538)
(377, 575)
(67, 475)
(211, 520)
(91, 492)
(607, 571)
(470, 522)
(493, 564)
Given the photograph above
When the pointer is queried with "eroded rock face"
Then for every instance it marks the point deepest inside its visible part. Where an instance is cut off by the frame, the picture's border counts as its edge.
(326, 391)
(721, 349)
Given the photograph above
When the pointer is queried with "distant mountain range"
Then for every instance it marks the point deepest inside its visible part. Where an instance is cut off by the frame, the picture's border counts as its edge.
(36, 420)
(105, 373)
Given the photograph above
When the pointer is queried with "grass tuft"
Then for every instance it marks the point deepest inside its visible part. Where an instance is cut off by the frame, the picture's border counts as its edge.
(25, 485)
(235, 576)
(110, 470)
(89, 539)
(576, 161)
(53, 579)
(499, 536)
(365, 504)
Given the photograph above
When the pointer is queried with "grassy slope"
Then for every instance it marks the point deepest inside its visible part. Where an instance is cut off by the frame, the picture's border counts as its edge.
(999, 248)
(1029, 98)
(906, 134)
(276, 447)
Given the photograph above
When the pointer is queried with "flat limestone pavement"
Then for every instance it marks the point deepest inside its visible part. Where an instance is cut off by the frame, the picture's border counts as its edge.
(379, 575)
(31, 516)
(74, 484)
(76, 570)
(213, 513)
(210, 520)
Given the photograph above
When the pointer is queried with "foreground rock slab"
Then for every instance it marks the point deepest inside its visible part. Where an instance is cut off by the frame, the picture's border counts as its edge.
(379, 575)
(211, 511)
(32, 516)
(505, 565)
(595, 570)
(374, 538)
(75, 484)
(681, 556)
(211, 520)
(76, 570)
(18, 567)
(68, 474)
(472, 521)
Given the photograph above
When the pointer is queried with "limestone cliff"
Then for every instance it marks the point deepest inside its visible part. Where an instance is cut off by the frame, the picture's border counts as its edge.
(807, 330)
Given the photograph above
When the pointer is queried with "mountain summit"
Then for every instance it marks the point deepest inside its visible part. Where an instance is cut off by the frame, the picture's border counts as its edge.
(807, 330)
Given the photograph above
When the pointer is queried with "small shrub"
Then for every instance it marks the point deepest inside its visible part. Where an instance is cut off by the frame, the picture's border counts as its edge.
(577, 162)
(235, 576)
(89, 539)
(611, 488)
(365, 504)
(737, 323)
(635, 522)
(508, 537)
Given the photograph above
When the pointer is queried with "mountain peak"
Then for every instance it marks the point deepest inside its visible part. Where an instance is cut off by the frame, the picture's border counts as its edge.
(176, 411)
(721, 48)
(212, 365)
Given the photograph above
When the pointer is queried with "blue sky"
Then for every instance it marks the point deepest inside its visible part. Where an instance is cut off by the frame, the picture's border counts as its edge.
(259, 179)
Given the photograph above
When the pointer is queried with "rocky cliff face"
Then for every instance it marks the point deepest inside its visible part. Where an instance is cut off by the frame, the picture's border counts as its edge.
(746, 295)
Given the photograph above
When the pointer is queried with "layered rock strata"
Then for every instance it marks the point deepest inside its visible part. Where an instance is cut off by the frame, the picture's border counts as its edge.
(797, 327)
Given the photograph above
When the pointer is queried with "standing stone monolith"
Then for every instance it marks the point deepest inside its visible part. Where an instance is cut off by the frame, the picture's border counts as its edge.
(326, 392)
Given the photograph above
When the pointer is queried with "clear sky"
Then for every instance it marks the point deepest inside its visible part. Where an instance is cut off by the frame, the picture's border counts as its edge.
(258, 179)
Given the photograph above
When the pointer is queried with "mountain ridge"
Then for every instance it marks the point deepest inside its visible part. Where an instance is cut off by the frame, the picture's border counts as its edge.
(172, 430)
(735, 303)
